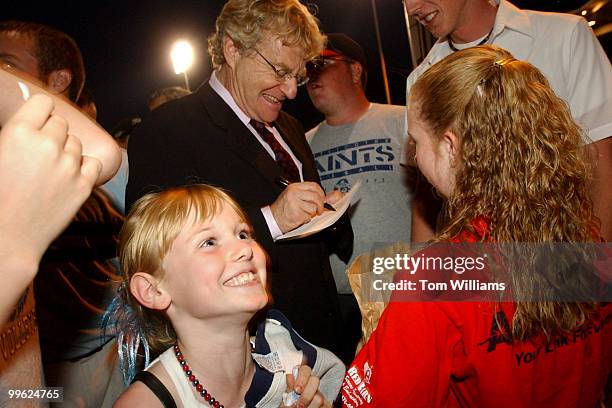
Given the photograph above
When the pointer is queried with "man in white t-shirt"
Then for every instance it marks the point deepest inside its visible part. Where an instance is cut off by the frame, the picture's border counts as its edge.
(358, 140)
(562, 46)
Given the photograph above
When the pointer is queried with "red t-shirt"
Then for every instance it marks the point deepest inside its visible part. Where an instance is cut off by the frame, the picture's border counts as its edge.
(452, 354)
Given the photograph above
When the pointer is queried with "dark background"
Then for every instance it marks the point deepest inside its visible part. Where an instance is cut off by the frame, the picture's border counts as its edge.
(126, 44)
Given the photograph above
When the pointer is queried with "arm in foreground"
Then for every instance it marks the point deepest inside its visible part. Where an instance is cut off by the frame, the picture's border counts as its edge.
(95, 141)
(44, 179)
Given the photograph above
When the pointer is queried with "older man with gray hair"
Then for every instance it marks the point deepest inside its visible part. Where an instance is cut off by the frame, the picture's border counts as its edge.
(232, 133)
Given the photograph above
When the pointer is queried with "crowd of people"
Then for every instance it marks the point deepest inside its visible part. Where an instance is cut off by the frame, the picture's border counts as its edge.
(169, 284)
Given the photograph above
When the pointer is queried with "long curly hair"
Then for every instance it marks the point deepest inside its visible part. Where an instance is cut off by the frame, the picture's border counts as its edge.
(520, 164)
(247, 22)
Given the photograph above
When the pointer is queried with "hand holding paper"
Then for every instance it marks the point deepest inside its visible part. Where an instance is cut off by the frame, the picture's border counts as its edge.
(297, 204)
(325, 219)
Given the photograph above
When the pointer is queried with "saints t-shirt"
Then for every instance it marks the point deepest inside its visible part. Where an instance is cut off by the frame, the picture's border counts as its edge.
(369, 150)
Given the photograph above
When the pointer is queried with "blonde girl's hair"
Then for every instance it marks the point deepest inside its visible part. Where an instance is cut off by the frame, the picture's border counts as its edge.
(145, 239)
(247, 22)
(520, 165)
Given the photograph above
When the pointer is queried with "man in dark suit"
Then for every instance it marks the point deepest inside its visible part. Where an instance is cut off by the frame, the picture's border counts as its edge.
(231, 133)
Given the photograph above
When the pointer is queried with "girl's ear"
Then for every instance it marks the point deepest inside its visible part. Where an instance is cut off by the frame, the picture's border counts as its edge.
(450, 144)
(145, 288)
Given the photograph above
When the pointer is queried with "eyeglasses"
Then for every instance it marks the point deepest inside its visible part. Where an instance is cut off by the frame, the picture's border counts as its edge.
(318, 65)
(281, 75)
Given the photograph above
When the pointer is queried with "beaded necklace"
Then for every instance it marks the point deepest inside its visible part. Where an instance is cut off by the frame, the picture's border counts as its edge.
(194, 380)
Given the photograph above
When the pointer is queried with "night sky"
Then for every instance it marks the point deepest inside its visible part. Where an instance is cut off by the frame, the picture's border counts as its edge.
(126, 45)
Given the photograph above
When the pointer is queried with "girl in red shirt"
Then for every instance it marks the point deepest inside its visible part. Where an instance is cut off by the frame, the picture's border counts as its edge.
(493, 139)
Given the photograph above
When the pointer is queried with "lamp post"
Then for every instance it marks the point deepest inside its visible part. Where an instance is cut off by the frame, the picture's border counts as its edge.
(381, 55)
(182, 58)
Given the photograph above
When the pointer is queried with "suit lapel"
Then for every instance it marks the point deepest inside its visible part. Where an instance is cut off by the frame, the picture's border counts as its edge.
(237, 136)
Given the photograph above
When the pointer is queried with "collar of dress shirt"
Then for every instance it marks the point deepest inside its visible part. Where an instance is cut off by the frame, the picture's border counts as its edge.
(218, 87)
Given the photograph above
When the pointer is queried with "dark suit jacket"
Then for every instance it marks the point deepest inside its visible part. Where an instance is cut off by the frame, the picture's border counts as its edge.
(199, 139)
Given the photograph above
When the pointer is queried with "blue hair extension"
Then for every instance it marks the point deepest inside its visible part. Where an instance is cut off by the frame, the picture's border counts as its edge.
(120, 318)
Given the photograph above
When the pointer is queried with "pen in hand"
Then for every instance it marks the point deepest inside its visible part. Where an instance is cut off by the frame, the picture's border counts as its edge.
(284, 183)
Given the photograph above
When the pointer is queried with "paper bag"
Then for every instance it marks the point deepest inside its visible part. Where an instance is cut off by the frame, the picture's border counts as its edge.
(361, 277)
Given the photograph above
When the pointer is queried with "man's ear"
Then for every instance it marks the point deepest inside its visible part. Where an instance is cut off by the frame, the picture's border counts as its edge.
(450, 142)
(59, 80)
(145, 288)
(356, 70)
(231, 52)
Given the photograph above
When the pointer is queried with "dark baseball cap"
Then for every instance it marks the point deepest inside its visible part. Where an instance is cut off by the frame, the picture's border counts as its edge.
(341, 44)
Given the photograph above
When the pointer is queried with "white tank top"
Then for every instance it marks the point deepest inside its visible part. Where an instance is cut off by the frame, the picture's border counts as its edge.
(186, 391)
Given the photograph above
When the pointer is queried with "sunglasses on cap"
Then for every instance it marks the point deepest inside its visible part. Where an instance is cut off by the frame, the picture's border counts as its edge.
(318, 65)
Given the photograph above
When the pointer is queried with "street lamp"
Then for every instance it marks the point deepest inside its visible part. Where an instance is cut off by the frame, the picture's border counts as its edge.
(182, 57)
